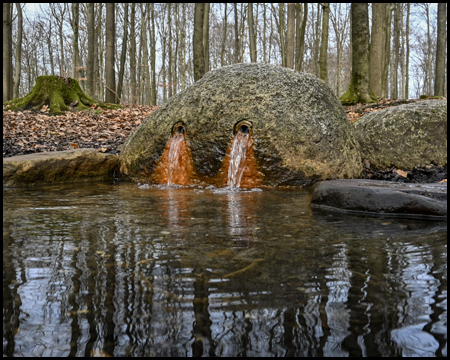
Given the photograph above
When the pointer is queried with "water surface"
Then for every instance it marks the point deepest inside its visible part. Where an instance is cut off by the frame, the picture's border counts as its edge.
(123, 270)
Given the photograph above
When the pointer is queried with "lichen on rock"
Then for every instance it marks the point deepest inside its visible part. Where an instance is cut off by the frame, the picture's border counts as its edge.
(300, 130)
(405, 136)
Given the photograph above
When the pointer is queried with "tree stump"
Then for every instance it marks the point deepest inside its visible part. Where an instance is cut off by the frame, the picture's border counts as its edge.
(60, 94)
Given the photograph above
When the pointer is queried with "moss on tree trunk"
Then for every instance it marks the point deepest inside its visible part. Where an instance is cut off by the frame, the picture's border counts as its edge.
(59, 93)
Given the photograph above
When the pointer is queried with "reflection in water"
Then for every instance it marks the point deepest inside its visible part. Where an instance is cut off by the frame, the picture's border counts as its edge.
(121, 271)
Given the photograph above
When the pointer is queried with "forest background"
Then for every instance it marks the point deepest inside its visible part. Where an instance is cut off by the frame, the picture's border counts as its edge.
(145, 53)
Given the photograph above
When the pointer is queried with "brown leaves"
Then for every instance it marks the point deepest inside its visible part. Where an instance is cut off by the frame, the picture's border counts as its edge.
(27, 132)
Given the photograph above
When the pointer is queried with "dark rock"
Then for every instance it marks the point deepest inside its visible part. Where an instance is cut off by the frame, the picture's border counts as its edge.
(300, 130)
(80, 165)
(373, 196)
(405, 136)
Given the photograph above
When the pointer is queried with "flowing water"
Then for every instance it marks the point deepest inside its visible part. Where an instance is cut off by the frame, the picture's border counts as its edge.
(237, 158)
(127, 270)
(174, 155)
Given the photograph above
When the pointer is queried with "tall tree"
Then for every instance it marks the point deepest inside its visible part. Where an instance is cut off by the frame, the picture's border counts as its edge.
(205, 39)
(387, 52)
(251, 33)
(377, 46)
(109, 54)
(358, 90)
(408, 7)
(316, 43)
(153, 56)
(123, 55)
(324, 43)
(18, 59)
(224, 37)
(396, 50)
(75, 51)
(133, 53)
(301, 35)
(7, 52)
(441, 48)
(91, 39)
(197, 41)
(339, 22)
(236, 34)
(290, 36)
(169, 21)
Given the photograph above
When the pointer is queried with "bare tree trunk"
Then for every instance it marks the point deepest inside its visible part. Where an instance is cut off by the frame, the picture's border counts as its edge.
(407, 51)
(183, 48)
(387, 52)
(324, 43)
(206, 35)
(251, 33)
(18, 59)
(109, 54)
(376, 47)
(224, 38)
(146, 92)
(264, 35)
(197, 41)
(429, 76)
(133, 54)
(90, 62)
(358, 90)
(175, 60)
(402, 60)
(123, 55)
(75, 52)
(153, 57)
(7, 52)
(236, 35)
(100, 54)
(281, 31)
(316, 43)
(441, 47)
(50, 49)
(299, 62)
(169, 21)
(290, 36)
(396, 50)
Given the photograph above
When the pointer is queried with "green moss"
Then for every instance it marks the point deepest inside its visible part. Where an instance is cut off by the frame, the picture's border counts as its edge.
(60, 94)
(353, 96)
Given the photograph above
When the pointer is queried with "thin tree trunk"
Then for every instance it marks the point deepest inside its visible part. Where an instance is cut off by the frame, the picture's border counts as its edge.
(90, 62)
(18, 60)
(316, 43)
(429, 76)
(206, 35)
(153, 57)
(175, 60)
(169, 21)
(75, 52)
(109, 55)
(324, 43)
(281, 31)
(133, 54)
(402, 62)
(146, 92)
(183, 48)
(123, 55)
(236, 35)
(251, 33)
(50, 49)
(197, 41)
(299, 62)
(7, 52)
(290, 36)
(407, 51)
(100, 54)
(396, 50)
(441, 47)
(264, 35)
(387, 52)
(224, 38)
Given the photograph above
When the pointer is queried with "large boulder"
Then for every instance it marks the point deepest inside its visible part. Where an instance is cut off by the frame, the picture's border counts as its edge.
(405, 136)
(299, 128)
(382, 197)
(80, 165)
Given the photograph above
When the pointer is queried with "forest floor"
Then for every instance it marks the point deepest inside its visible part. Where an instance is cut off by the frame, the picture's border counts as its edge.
(30, 132)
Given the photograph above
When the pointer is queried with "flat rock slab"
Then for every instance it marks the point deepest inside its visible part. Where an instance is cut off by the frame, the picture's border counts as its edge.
(382, 197)
(80, 165)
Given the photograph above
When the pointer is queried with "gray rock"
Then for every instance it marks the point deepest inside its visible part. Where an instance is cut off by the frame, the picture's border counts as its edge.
(80, 165)
(383, 197)
(300, 130)
(405, 136)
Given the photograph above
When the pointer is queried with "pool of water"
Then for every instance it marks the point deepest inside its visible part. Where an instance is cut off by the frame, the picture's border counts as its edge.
(128, 270)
